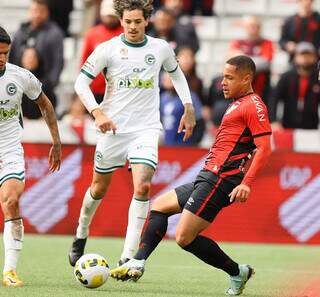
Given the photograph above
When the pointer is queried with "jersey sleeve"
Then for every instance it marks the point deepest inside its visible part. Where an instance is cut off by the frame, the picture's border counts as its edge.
(256, 117)
(170, 63)
(97, 61)
(33, 86)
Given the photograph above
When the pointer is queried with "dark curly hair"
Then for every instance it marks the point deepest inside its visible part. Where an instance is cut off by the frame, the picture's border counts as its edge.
(145, 5)
(4, 36)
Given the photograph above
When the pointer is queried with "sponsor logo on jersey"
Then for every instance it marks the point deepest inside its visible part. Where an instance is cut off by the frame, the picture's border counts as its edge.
(124, 53)
(150, 59)
(138, 70)
(259, 108)
(11, 89)
(135, 83)
(6, 114)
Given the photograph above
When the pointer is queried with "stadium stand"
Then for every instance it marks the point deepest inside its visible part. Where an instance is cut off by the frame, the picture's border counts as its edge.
(214, 35)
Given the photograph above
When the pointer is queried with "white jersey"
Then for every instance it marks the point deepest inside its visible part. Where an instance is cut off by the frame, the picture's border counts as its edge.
(14, 82)
(132, 72)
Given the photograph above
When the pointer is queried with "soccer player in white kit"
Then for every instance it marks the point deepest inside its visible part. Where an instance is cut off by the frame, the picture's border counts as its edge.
(128, 119)
(14, 82)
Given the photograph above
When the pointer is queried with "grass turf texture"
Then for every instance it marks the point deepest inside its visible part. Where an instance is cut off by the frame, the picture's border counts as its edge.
(281, 270)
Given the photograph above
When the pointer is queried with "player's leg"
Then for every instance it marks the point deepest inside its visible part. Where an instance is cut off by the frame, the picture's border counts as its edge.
(90, 203)
(209, 197)
(138, 210)
(10, 192)
(110, 154)
(143, 158)
(165, 205)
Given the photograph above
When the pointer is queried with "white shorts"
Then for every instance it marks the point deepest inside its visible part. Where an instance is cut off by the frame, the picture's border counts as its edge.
(113, 151)
(12, 165)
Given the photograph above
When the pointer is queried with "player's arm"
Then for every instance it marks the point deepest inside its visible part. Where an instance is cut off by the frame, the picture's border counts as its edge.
(180, 84)
(187, 121)
(49, 116)
(260, 157)
(93, 65)
(82, 88)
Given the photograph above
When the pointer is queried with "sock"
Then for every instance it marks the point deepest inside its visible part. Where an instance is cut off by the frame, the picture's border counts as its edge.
(88, 209)
(155, 231)
(12, 238)
(209, 252)
(138, 212)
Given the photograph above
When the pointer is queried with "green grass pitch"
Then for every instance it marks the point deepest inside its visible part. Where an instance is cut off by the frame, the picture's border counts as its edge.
(281, 270)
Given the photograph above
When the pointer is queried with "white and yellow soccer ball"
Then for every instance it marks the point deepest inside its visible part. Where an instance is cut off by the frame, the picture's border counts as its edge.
(91, 270)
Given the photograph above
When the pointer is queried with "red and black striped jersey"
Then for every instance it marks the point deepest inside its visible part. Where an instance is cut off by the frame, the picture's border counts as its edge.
(245, 118)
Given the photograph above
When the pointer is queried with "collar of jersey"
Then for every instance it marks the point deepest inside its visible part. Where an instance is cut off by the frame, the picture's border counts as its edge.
(138, 44)
(2, 71)
(242, 96)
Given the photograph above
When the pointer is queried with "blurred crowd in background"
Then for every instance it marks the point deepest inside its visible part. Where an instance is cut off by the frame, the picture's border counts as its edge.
(292, 95)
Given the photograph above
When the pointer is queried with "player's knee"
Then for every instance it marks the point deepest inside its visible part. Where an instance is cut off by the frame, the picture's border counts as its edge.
(10, 203)
(143, 189)
(183, 239)
(98, 190)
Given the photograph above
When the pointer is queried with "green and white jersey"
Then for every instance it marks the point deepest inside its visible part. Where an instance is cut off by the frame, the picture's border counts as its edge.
(14, 82)
(131, 70)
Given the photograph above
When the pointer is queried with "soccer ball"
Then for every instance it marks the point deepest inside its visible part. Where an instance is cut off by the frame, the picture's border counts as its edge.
(91, 270)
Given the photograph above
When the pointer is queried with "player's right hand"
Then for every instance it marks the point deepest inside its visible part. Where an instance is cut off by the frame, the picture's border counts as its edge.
(103, 123)
(240, 193)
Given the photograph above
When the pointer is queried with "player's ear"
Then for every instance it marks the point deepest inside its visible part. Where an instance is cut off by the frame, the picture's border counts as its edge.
(247, 78)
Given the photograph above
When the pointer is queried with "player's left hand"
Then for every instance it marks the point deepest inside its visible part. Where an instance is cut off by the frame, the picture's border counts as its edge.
(240, 193)
(55, 157)
(187, 121)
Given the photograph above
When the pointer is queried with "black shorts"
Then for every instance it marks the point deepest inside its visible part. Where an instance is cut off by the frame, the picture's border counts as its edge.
(206, 196)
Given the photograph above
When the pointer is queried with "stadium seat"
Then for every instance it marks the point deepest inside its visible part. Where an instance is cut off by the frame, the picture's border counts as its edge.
(75, 26)
(282, 7)
(271, 28)
(15, 3)
(306, 140)
(230, 28)
(240, 7)
(279, 63)
(11, 18)
(206, 27)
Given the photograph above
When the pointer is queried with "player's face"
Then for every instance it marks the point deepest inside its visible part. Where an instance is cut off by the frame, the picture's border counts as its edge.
(4, 54)
(134, 25)
(234, 83)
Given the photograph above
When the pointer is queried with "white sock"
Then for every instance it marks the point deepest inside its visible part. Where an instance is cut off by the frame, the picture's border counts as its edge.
(138, 212)
(12, 238)
(88, 209)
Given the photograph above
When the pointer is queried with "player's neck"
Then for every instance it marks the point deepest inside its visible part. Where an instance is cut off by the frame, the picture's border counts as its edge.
(2, 71)
(134, 43)
(244, 94)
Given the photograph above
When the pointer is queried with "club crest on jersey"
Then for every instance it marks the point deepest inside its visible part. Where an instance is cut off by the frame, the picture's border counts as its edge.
(98, 156)
(150, 59)
(11, 89)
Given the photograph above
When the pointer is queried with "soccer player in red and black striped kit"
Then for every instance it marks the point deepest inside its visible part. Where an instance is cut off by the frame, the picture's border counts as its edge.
(244, 131)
